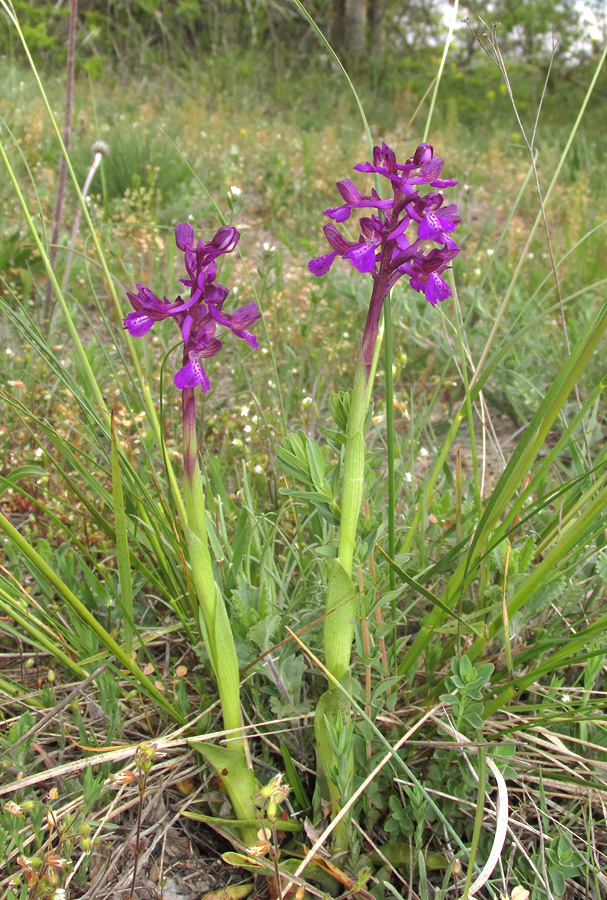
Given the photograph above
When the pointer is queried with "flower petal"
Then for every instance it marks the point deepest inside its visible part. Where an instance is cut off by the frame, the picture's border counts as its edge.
(338, 213)
(432, 227)
(322, 264)
(349, 192)
(138, 324)
(191, 375)
(362, 257)
(184, 236)
(225, 239)
(436, 289)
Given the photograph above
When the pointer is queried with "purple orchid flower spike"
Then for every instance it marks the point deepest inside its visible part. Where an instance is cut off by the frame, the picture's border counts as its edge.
(199, 314)
(383, 249)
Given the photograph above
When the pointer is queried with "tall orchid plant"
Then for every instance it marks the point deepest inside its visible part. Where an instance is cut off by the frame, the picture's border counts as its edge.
(387, 251)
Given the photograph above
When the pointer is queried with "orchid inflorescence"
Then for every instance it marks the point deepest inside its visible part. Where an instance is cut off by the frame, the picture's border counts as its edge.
(383, 248)
(199, 315)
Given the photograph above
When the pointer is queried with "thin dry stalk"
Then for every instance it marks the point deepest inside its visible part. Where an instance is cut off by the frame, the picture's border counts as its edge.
(67, 133)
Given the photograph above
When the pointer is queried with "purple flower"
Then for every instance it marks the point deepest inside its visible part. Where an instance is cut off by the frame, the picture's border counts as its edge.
(424, 272)
(353, 199)
(198, 315)
(384, 249)
(148, 308)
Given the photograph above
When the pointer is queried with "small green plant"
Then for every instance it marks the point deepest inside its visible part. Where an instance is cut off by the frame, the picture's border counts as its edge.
(466, 698)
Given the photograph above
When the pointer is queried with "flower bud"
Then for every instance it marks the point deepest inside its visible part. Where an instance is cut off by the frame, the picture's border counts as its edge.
(121, 778)
(13, 809)
(56, 862)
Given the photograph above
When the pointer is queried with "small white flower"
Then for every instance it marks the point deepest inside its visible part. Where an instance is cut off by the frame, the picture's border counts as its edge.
(408, 477)
(423, 451)
(346, 334)
(307, 401)
(244, 411)
(9, 352)
(237, 442)
(258, 469)
(235, 191)
(247, 429)
(38, 452)
(490, 251)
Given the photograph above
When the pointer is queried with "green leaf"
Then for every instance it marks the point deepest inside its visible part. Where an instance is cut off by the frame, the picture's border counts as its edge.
(316, 461)
(239, 544)
(122, 545)
(293, 778)
(291, 465)
(236, 777)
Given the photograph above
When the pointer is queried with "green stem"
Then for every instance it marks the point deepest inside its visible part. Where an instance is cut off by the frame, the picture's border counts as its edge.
(341, 594)
(354, 461)
(390, 443)
(212, 613)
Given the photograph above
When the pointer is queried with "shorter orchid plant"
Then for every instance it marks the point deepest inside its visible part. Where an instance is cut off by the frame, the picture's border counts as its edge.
(198, 317)
(387, 251)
